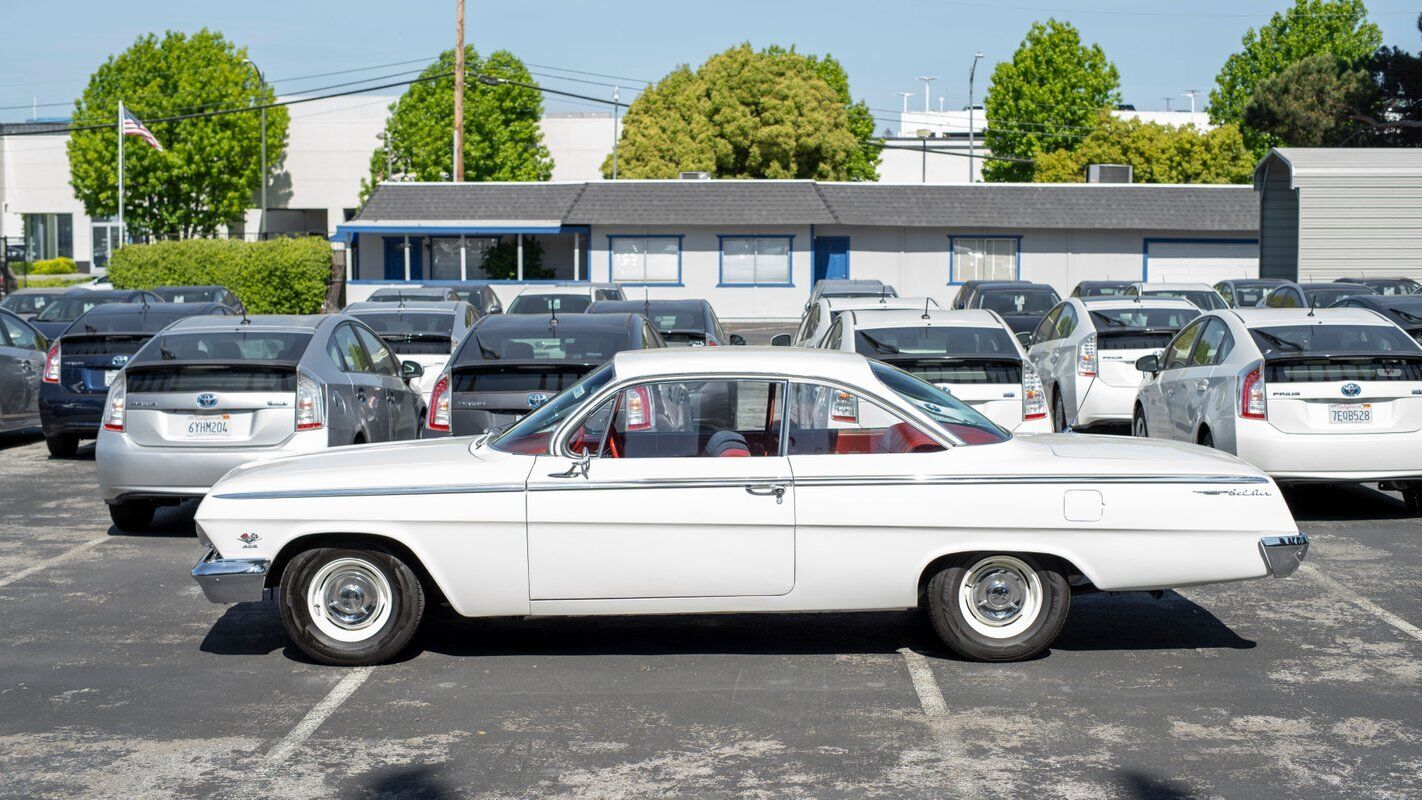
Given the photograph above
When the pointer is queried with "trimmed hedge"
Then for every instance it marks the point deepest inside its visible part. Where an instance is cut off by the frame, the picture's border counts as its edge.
(54, 266)
(280, 276)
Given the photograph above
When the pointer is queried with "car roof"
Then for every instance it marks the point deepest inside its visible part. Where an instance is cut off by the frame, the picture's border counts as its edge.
(538, 322)
(796, 362)
(1257, 317)
(876, 301)
(410, 291)
(1333, 285)
(1013, 286)
(100, 294)
(911, 318)
(1106, 283)
(166, 309)
(190, 286)
(1391, 300)
(1151, 287)
(555, 289)
(1127, 302)
(40, 290)
(1255, 281)
(847, 283)
(636, 306)
(450, 306)
(257, 322)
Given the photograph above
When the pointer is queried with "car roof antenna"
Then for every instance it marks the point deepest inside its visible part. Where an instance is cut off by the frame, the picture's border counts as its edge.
(647, 303)
(884, 296)
(553, 318)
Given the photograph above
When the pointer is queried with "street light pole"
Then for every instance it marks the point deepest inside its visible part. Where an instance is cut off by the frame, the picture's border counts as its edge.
(261, 83)
(616, 96)
(972, 140)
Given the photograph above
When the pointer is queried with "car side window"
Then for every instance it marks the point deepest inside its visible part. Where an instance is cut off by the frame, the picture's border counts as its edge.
(380, 355)
(811, 322)
(826, 420)
(835, 335)
(355, 358)
(689, 419)
(1177, 353)
(1066, 324)
(1206, 351)
(1046, 329)
(20, 334)
(1226, 292)
(1284, 298)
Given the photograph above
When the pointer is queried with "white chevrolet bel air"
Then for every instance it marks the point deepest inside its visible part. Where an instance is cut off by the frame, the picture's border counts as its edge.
(735, 479)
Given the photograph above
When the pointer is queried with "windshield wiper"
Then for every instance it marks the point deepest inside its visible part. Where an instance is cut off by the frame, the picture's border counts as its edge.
(1407, 315)
(1113, 322)
(487, 353)
(1277, 342)
(882, 347)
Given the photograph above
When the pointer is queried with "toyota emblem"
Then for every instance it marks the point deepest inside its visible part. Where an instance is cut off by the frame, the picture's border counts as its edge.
(1352, 390)
(537, 399)
(206, 400)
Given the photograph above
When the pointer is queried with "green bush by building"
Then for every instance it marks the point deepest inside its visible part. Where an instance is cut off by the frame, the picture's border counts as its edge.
(54, 266)
(281, 276)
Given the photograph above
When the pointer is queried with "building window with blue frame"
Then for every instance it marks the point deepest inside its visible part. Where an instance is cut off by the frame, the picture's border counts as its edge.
(755, 260)
(645, 259)
(984, 258)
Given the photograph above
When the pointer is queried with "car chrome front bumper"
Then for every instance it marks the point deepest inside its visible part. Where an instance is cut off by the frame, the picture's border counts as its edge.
(1283, 554)
(231, 580)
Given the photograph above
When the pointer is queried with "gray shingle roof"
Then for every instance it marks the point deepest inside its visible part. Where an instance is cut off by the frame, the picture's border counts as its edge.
(744, 202)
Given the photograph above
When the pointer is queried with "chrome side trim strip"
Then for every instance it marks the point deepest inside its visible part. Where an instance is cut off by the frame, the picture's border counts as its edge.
(383, 491)
(662, 483)
(980, 480)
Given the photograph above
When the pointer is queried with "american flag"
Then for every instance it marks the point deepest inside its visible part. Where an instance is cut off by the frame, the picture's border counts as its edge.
(133, 127)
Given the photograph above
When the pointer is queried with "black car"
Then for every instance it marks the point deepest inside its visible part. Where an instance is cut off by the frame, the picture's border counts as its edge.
(28, 303)
(1247, 292)
(200, 294)
(510, 364)
(970, 289)
(691, 323)
(1021, 305)
(1405, 309)
(1101, 288)
(1311, 295)
(480, 295)
(83, 362)
(22, 351)
(56, 317)
(1387, 286)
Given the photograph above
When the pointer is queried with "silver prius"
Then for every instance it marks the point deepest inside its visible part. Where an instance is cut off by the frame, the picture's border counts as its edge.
(208, 394)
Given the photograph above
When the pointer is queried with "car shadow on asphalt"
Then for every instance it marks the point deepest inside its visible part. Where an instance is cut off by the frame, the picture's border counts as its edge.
(1332, 502)
(1137, 621)
(169, 521)
(19, 438)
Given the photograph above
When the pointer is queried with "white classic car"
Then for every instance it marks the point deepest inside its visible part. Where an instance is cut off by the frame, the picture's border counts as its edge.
(735, 479)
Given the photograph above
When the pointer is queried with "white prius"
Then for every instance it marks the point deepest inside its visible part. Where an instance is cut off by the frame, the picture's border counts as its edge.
(1328, 394)
(734, 479)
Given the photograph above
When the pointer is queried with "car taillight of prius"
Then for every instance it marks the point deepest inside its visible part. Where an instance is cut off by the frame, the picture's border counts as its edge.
(51, 364)
(1034, 400)
(438, 419)
(1251, 394)
(310, 405)
(114, 408)
(1086, 357)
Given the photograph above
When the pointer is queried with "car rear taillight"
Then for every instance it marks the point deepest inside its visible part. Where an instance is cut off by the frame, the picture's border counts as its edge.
(51, 364)
(1034, 400)
(1086, 357)
(438, 419)
(310, 405)
(639, 408)
(845, 407)
(113, 409)
(1251, 395)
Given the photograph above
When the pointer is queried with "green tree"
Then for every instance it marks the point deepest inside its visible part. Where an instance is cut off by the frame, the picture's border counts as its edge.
(1316, 102)
(502, 140)
(1157, 153)
(209, 169)
(1311, 27)
(745, 114)
(1046, 98)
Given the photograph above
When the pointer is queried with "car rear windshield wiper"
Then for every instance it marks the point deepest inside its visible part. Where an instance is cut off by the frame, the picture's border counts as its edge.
(1408, 315)
(1115, 323)
(882, 347)
(1277, 342)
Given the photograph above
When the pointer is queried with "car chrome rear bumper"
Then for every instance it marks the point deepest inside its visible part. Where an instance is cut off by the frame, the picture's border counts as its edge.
(231, 580)
(1283, 554)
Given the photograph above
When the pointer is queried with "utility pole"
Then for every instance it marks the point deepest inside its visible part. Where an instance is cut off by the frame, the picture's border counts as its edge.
(616, 95)
(123, 235)
(972, 140)
(261, 83)
(459, 91)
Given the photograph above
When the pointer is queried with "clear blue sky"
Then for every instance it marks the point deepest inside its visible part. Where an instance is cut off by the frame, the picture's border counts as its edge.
(1161, 48)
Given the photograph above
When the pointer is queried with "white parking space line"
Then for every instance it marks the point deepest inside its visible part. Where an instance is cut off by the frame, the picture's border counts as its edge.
(930, 697)
(313, 719)
(49, 562)
(1339, 592)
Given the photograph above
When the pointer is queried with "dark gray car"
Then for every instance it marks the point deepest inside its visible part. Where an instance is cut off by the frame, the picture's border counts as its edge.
(28, 303)
(22, 351)
(200, 294)
(1247, 292)
(687, 323)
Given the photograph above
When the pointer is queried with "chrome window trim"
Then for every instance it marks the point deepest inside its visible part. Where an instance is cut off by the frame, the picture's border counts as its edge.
(388, 491)
(991, 480)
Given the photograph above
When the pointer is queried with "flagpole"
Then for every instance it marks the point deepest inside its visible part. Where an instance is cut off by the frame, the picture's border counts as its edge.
(122, 238)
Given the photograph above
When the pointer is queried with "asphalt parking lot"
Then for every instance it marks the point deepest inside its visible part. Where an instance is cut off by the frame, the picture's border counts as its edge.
(118, 680)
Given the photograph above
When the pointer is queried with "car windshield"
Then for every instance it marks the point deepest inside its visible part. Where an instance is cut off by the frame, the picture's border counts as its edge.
(879, 342)
(536, 345)
(273, 346)
(548, 303)
(68, 309)
(1205, 299)
(395, 326)
(1286, 340)
(178, 294)
(1322, 298)
(1103, 290)
(1250, 296)
(26, 303)
(531, 434)
(961, 421)
(1142, 318)
(1031, 302)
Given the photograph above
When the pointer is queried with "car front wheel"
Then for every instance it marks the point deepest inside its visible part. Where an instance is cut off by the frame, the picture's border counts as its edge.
(132, 515)
(350, 607)
(999, 607)
(1138, 425)
(62, 446)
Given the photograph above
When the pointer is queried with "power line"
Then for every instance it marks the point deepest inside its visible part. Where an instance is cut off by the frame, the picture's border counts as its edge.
(584, 72)
(355, 69)
(937, 152)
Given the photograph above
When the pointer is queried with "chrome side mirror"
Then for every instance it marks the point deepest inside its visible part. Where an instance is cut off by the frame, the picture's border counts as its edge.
(577, 469)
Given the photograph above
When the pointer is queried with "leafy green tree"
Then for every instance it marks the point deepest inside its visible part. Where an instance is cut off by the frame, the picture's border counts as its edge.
(1311, 27)
(1157, 153)
(209, 168)
(1397, 121)
(502, 140)
(1046, 98)
(1316, 102)
(745, 114)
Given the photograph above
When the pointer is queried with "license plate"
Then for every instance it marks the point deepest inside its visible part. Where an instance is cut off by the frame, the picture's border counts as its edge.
(1350, 413)
(209, 426)
(109, 375)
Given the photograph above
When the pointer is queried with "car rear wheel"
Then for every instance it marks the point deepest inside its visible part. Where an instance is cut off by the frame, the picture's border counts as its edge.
(1059, 420)
(1138, 425)
(350, 607)
(62, 446)
(1412, 496)
(1207, 439)
(132, 515)
(999, 607)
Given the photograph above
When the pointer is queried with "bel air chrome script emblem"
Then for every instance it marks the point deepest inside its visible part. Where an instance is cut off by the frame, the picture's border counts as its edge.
(1235, 492)
(206, 400)
(537, 399)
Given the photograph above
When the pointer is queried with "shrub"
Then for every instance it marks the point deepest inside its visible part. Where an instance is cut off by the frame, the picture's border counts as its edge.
(54, 266)
(57, 282)
(281, 276)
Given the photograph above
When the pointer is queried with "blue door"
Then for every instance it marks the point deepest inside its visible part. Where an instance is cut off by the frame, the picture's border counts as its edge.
(395, 258)
(831, 257)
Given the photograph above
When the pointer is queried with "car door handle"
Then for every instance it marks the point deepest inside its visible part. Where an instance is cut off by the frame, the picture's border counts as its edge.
(1202, 384)
(767, 490)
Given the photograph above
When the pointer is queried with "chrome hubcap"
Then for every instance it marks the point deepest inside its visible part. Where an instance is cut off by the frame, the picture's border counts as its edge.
(1001, 596)
(350, 594)
(998, 596)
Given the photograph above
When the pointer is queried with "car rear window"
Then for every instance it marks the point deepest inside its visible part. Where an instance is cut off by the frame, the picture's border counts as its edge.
(71, 308)
(1250, 296)
(156, 319)
(877, 342)
(548, 303)
(517, 378)
(26, 303)
(1018, 303)
(1142, 318)
(152, 379)
(1208, 301)
(271, 346)
(211, 295)
(538, 345)
(1293, 340)
(1323, 298)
